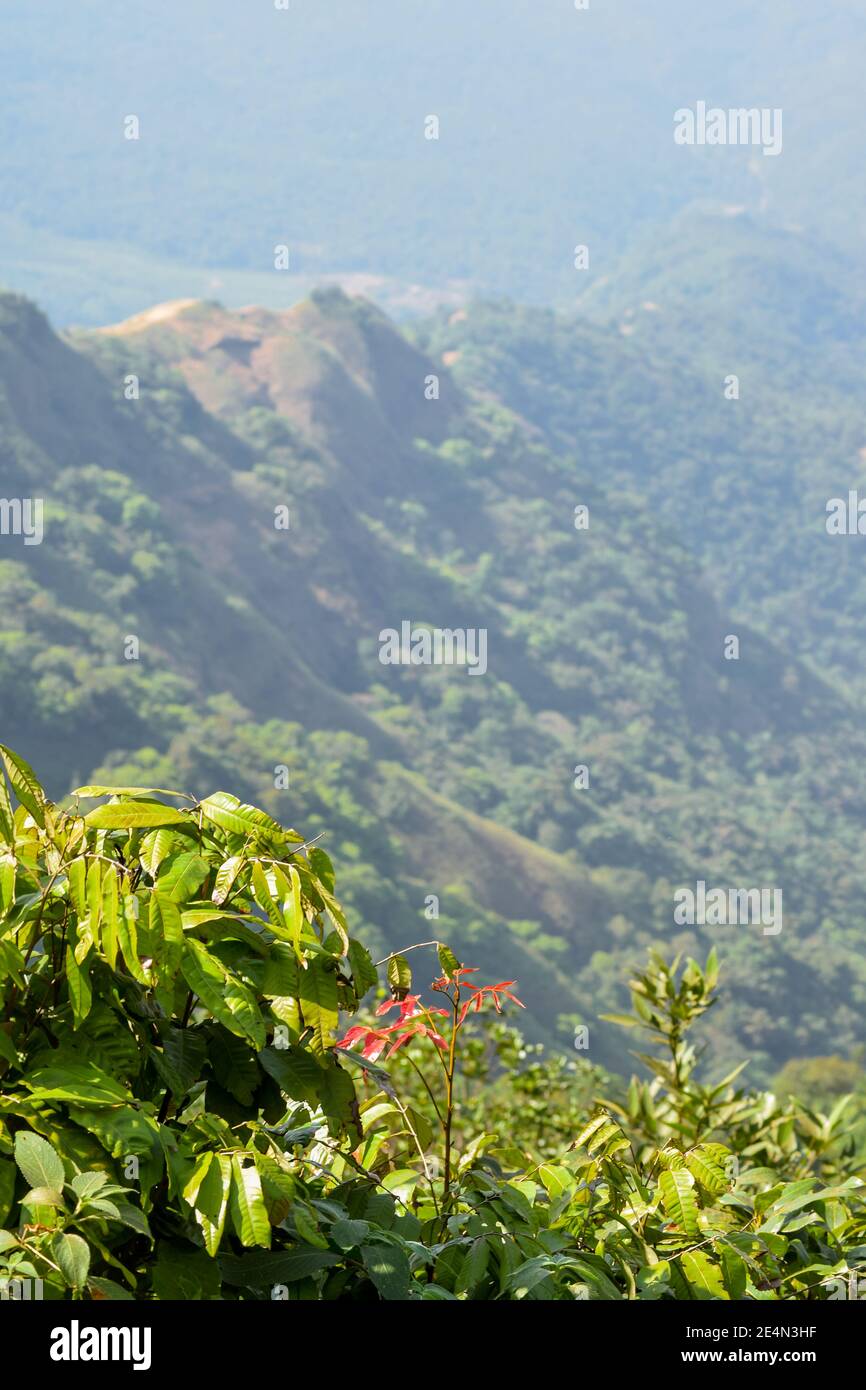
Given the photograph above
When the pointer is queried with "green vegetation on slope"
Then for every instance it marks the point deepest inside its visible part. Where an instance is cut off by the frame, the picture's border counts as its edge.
(259, 646)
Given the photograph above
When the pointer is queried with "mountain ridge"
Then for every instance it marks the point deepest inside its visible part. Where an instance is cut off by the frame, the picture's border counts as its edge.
(259, 645)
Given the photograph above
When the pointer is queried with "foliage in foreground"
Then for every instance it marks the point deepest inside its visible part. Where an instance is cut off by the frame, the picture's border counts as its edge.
(179, 1117)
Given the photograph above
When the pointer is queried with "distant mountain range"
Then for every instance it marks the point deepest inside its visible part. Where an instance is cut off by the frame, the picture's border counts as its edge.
(310, 127)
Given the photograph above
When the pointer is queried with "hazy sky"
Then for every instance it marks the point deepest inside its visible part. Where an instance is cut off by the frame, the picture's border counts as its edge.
(260, 126)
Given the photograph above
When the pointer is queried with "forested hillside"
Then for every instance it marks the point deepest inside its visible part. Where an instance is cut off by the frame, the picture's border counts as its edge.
(168, 449)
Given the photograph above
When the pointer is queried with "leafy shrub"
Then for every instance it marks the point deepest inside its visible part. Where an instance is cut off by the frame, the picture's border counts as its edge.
(179, 1119)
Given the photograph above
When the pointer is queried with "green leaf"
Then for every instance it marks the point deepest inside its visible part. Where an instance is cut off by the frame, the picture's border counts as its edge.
(11, 963)
(123, 1130)
(72, 1254)
(7, 1048)
(127, 935)
(40, 1163)
(528, 1276)
(295, 1071)
(226, 875)
(399, 976)
(595, 1124)
(602, 1137)
(474, 1267)
(364, 972)
(181, 1060)
(282, 977)
(181, 875)
(164, 918)
(86, 1185)
(7, 1187)
(247, 1205)
(678, 1199)
(388, 1268)
(7, 880)
(281, 898)
(129, 815)
(156, 846)
(184, 1275)
(338, 1100)
(217, 923)
(266, 899)
(128, 791)
(232, 1063)
(192, 1186)
(850, 1188)
(230, 814)
(319, 1002)
(297, 916)
(77, 1083)
(108, 1289)
(556, 1179)
(669, 1158)
(76, 877)
(320, 863)
(378, 1073)
(212, 1200)
(706, 1165)
(654, 1281)
(42, 1197)
(94, 897)
(734, 1273)
(791, 1201)
(110, 913)
(335, 915)
(25, 785)
(7, 822)
(348, 1234)
(277, 1184)
(517, 1202)
(704, 1277)
(78, 982)
(448, 962)
(227, 998)
(307, 1227)
(262, 1271)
